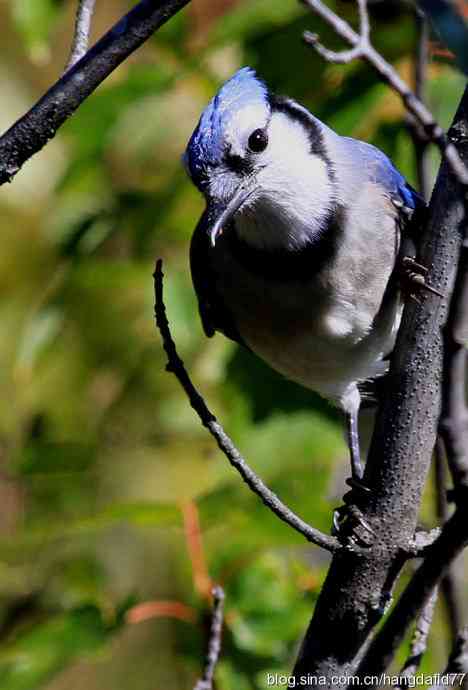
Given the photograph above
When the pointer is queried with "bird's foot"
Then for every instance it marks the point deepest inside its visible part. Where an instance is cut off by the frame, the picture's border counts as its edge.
(413, 279)
(348, 520)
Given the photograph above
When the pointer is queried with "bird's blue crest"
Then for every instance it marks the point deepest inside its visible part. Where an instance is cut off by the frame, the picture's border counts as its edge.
(206, 146)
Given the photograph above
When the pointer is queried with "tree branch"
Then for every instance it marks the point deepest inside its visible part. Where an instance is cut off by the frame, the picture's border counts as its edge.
(31, 132)
(453, 424)
(453, 539)
(84, 15)
(420, 141)
(357, 591)
(214, 643)
(458, 659)
(365, 51)
(420, 635)
(225, 444)
(449, 586)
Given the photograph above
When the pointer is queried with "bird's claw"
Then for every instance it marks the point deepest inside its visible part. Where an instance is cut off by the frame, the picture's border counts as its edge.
(414, 278)
(348, 518)
(358, 486)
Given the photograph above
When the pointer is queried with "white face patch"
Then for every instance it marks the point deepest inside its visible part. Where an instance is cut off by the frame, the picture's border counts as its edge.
(243, 123)
(294, 194)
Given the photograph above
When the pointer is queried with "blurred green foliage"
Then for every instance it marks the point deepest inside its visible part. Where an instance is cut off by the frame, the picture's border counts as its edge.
(100, 450)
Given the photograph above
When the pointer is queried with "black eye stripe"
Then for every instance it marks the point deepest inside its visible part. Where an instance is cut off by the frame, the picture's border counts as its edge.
(258, 141)
(238, 164)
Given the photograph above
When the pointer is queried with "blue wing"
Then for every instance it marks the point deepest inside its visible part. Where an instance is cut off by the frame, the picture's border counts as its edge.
(381, 170)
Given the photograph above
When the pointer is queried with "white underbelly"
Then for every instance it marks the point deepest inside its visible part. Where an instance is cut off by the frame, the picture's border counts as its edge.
(325, 347)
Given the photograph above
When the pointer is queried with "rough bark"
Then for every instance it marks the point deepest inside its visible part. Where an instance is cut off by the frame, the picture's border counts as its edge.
(358, 586)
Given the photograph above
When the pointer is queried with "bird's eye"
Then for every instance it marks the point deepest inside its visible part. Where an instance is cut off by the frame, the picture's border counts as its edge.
(258, 141)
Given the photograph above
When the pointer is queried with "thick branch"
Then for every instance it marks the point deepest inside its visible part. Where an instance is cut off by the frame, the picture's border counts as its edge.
(214, 642)
(30, 133)
(453, 539)
(84, 15)
(270, 499)
(358, 590)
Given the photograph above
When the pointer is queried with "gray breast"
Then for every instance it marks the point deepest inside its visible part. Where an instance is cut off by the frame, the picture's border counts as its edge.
(327, 327)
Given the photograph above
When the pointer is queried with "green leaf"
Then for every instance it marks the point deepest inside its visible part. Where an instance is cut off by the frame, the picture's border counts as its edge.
(39, 654)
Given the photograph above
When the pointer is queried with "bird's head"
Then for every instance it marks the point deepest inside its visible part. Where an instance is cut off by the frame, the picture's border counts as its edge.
(253, 153)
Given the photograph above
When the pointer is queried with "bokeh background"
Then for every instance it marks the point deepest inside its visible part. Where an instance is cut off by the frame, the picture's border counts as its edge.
(116, 509)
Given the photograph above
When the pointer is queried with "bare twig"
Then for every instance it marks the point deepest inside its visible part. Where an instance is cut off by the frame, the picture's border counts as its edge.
(420, 141)
(84, 15)
(176, 366)
(419, 642)
(345, 56)
(448, 546)
(458, 660)
(364, 50)
(453, 425)
(31, 132)
(214, 642)
(449, 586)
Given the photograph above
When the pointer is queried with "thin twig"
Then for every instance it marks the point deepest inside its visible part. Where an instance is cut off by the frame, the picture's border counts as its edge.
(458, 660)
(419, 642)
(345, 56)
(456, 671)
(214, 642)
(449, 586)
(270, 499)
(420, 141)
(453, 426)
(32, 131)
(84, 15)
(363, 49)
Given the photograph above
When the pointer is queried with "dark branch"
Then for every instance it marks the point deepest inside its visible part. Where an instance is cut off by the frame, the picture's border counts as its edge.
(453, 539)
(31, 132)
(214, 642)
(421, 633)
(458, 660)
(356, 592)
(270, 499)
(453, 425)
(449, 586)
(364, 50)
(415, 384)
(84, 15)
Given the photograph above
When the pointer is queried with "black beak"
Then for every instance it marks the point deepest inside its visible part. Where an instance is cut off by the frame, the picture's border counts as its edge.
(220, 214)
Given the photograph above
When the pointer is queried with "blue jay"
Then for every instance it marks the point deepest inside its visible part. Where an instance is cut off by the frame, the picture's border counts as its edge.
(294, 255)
